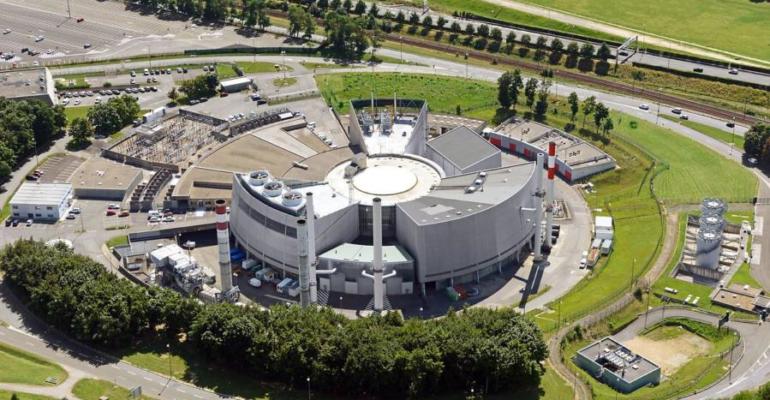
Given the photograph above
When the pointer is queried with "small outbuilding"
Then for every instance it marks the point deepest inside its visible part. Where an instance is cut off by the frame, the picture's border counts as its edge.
(41, 201)
(603, 228)
(236, 84)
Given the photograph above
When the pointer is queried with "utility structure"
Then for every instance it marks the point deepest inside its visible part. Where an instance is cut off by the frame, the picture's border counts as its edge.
(539, 194)
(549, 192)
(312, 260)
(377, 274)
(304, 264)
(225, 278)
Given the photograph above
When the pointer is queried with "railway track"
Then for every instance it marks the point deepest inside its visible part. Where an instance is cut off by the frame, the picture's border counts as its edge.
(615, 87)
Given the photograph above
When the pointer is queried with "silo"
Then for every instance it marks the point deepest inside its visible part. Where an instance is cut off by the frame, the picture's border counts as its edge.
(713, 206)
(713, 222)
(709, 245)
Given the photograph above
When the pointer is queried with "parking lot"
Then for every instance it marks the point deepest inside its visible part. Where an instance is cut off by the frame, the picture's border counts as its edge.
(59, 168)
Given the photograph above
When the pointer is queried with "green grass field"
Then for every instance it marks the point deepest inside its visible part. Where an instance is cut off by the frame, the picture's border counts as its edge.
(477, 99)
(743, 277)
(710, 131)
(695, 172)
(119, 240)
(93, 389)
(5, 395)
(738, 26)
(76, 112)
(18, 366)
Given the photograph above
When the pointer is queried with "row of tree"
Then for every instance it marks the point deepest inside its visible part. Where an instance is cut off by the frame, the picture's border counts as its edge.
(378, 356)
(757, 142)
(25, 125)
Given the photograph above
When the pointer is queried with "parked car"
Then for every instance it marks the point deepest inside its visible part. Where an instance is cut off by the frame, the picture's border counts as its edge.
(698, 70)
(168, 219)
(111, 213)
(684, 117)
(752, 161)
(254, 282)
(80, 19)
(29, 222)
(123, 213)
(8, 222)
(75, 210)
(644, 106)
(71, 216)
(731, 124)
(113, 206)
(15, 222)
(733, 71)
(676, 110)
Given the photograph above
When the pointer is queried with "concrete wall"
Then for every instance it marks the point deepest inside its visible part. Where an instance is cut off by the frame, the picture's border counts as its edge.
(269, 234)
(478, 242)
(418, 142)
(350, 271)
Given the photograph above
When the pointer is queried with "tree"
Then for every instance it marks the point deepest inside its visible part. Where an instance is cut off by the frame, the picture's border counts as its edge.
(347, 5)
(541, 107)
(573, 49)
(574, 103)
(504, 90)
(587, 50)
(347, 37)
(360, 8)
(755, 139)
(483, 30)
(441, 22)
(414, 19)
(589, 105)
(515, 87)
(470, 30)
(105, 119)
(400, 17)
(541, 42)
(322, 4)
(600, 113)
(608, 126)
(80, 132)
(557, 45)
(455, 27)
(530, 89)
(604, 52)
(511, 37)
(374, 10)
(427, 22)
(296, 18)
(496, 34)
(526, 40)
(200, 86)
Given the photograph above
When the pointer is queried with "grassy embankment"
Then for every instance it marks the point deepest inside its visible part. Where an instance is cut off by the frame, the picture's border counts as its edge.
(94, 389)
(19, 366)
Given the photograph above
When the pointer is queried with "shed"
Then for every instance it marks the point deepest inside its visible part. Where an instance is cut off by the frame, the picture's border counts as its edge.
(603, 228)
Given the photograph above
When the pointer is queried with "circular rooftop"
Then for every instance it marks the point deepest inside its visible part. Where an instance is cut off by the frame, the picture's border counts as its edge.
(394, 179)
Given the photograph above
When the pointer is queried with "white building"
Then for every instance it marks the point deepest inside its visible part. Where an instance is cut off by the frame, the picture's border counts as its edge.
(41, 201)
(603, 228)
(236, 84)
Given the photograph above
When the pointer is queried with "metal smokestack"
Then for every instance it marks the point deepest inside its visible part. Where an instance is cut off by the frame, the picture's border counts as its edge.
(377, 260)
(310, 217)
(549, 194)
(225, 278)
(539, 208)
(304, 266)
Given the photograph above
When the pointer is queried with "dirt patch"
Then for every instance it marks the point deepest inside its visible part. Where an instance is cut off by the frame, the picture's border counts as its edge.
(670, 354)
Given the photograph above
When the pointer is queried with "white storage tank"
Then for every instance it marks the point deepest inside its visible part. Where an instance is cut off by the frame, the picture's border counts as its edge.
(713, 222)
(258, 178)
(709, 245)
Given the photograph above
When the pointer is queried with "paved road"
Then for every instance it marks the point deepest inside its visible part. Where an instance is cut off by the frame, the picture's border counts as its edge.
(649, 59)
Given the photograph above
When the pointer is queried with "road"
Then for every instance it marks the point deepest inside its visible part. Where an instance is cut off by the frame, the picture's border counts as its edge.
(640, 57)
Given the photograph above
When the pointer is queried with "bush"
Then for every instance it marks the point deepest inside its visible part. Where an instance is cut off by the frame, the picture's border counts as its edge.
(380, 356)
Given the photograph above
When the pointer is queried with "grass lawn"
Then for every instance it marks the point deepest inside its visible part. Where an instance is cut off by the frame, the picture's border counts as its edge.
(4, 395)
(710, 131)
(18, 366)
(738, 26)
(490, 10)
(283, 82)
(743, 277)
(694, 172)
(226, 70)
(76, 112)
(477, 99)
(119, 240)
(93, 389)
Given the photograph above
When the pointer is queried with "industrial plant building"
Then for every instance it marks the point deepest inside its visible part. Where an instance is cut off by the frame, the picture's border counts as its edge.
(614, 364)
(451, 213)
(28, 84)
(576, 159)
(41, 201)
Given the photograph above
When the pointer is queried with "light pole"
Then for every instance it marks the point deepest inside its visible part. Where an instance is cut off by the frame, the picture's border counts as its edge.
(170, 372)
(732, 138)
(308, 388)
(401, 41)
(466, 65)
(731, 359)
(283, 64)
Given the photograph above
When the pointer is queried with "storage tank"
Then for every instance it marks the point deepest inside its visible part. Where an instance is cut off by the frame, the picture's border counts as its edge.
(713, 206)
(713, 222)
(709, 245)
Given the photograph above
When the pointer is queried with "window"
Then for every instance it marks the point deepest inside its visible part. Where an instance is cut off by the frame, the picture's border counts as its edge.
(49, 208)
(50, 215)
(15, 214)
(38, 215)
(15, 207)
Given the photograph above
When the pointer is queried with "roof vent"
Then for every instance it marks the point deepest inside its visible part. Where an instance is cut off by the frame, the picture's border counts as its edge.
(273, 189)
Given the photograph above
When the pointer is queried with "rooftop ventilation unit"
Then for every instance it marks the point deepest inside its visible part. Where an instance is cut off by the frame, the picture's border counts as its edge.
(292, 198)
(273, 189)
(258, 178)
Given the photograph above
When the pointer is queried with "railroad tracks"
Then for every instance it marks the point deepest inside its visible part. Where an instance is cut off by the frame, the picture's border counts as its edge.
(613, 86)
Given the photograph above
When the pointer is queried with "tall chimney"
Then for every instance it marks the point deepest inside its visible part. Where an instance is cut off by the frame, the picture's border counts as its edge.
(304, 266)
(549, 195)
(310, 217)
(225, 278)
(539, 208)
(377, 260)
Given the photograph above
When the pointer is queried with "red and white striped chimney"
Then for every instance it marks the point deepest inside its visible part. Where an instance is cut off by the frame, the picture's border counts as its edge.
(549, 194)
(225, 278)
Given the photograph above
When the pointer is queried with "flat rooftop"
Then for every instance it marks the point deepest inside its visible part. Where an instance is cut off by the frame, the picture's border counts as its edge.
(101, 173)
(23, 83)
(463, 147)
(365, 253)
(41, 193)
(736, 297)
(451, 200)
(618, 356)
(203, 183)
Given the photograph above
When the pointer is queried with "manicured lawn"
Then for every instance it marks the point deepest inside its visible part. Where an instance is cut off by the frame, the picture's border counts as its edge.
(476, 98)
(76, 112)
(18, 366)
(695, 171)
(490, 10)
(117, 241)
(738, 26)
(707, 130)
(4, 395)
(743, 277)
(283, 82)
(93, 389)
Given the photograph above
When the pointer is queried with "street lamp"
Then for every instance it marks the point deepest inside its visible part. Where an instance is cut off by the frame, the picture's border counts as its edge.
(308, 388)
(283, 65)
(401, 41)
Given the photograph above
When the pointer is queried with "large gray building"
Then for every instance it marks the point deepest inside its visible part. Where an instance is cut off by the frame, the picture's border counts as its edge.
(451, 213)
(28, 84)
